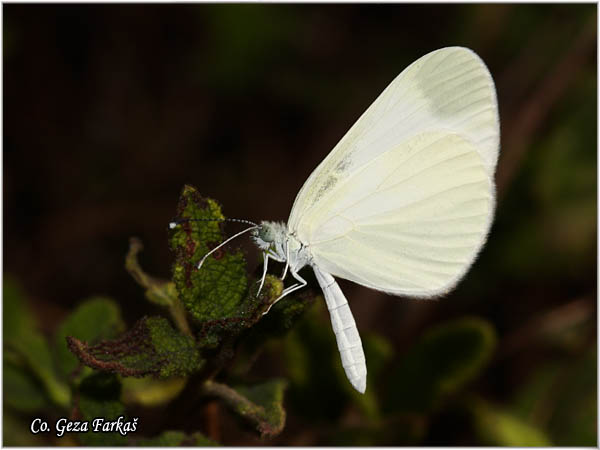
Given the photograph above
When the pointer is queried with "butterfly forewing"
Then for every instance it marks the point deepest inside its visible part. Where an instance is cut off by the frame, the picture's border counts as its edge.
(404, 202)
(446, 90)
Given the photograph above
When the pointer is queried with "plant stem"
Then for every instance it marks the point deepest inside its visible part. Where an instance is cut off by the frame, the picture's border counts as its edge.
(235, 400)
(161, 292)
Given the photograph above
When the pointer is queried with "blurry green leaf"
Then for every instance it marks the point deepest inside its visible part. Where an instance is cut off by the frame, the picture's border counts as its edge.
(495, 427)
(218, 289)
(149, 391)
(16, 432)
(17, 319)
(314, 368)
(280, 320)
(27, 346)
(285, 313)
(96, 319)
(177, 439)
(22, 391)
(151, 347)
(532, 393)
(445, 358)
(261, 404)
(99, 396)
(270, 415)
(36, 354)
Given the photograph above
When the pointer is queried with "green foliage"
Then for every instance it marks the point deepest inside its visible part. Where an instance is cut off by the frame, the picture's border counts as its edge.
(149, 391)
(179, 353)
(282, 317)
(17, 319)
(177, 439)
(22, 391)
(16, 432)
(151, 364)
(445, 359)
(99, 396)
(96, 319)
(151, 347)
(217, 297)
(28, 349)
(314, 368)
(260, 404)
(500, 428)
(268, 413)
(219, 288)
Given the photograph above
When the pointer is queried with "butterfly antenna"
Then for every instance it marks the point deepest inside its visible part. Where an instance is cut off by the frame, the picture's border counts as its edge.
(253, 227)
(180, 221)
(225, 242)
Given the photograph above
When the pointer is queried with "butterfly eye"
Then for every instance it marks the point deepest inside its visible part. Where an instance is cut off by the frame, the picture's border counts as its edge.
(265, 234)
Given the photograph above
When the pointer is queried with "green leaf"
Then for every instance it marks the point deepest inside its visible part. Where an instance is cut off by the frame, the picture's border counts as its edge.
(151, 347)
(217, 295)
(96, 319)
(445, 359)
(280, 320)
(314, 368)
(499, 428)
(17, 319)
(149, 391)
(269, 397)
(177, 439)
(213, 332)
(260, 404)
(16, 432)
(27, 347)
(219, 288)
(285, 313)
(99, 396)
(22, 391)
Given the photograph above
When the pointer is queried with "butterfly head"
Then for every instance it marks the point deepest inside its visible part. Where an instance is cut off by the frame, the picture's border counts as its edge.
(268, 234)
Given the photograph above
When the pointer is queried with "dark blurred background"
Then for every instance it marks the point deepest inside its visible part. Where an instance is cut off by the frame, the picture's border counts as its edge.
(110, 109)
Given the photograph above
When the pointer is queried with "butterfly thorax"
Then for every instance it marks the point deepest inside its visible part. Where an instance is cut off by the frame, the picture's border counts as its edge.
(275, 239)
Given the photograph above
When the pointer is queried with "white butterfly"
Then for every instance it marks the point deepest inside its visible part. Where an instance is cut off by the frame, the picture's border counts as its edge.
(404, 202)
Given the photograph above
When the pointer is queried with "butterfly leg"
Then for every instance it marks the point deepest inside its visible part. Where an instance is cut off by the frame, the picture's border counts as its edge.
(293, 287)
(264, 275)
(289, 290)
(266, 255)
(287, 259)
